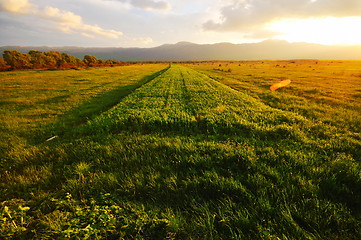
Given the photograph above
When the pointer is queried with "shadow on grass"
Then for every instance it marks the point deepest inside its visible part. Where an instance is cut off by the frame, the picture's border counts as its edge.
(90, 109)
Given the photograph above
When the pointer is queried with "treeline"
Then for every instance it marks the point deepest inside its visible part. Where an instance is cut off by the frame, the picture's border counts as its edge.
(15, 60)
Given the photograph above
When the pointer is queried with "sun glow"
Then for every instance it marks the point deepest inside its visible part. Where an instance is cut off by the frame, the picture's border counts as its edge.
(329, 31)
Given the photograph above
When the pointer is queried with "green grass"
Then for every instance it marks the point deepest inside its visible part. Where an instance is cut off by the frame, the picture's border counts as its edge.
(181, 155)
(328, 91)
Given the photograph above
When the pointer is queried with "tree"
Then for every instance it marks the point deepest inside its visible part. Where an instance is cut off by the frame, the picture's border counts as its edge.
(101, 62)
(79, 62)
(90, 61)
(69, 60)
(38, 59)
(109, 62)
(17, 60)
(55, 59)
(3, 65)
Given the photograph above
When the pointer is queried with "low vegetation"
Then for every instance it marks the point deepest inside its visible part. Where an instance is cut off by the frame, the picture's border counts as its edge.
(182, 152)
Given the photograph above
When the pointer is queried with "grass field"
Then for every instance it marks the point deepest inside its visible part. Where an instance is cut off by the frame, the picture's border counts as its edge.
(192, 151)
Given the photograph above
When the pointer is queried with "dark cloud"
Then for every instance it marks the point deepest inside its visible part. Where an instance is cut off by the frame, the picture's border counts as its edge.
(246, 15)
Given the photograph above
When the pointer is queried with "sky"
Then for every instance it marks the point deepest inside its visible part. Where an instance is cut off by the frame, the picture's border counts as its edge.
(150, 23)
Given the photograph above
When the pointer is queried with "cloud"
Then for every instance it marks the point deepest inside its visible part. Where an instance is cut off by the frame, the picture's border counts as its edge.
(143, 40)
(68, 22)
(64, 21)
(16, 6)
(62, 17)
(247, 15)
(148, 4)
(262, 34)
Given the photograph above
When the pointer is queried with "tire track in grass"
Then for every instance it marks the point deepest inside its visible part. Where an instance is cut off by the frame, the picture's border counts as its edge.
(226, 111)
(196, 104)
(186, 98)
(184, 101)
(95, 107)
(152, 107)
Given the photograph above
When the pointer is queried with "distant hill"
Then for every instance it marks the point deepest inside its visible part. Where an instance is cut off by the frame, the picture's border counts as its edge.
(183, 51)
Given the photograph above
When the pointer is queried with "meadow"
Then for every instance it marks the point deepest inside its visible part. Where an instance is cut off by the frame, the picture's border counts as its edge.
(186, 151)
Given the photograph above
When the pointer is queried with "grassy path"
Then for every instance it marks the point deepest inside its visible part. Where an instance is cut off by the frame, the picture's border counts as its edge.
(186, 101)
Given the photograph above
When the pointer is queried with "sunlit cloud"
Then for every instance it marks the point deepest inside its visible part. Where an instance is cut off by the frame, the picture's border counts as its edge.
(69, 21)
(65, 21)
(332, 31)
(252, 15)
(88, 35)
(17, 6)
(150, 23)
(262, 34)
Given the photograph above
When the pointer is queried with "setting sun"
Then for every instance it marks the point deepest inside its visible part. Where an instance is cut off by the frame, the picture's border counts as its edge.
(330, 31)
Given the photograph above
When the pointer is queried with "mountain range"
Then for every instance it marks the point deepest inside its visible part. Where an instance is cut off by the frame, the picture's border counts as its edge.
(186, 51)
